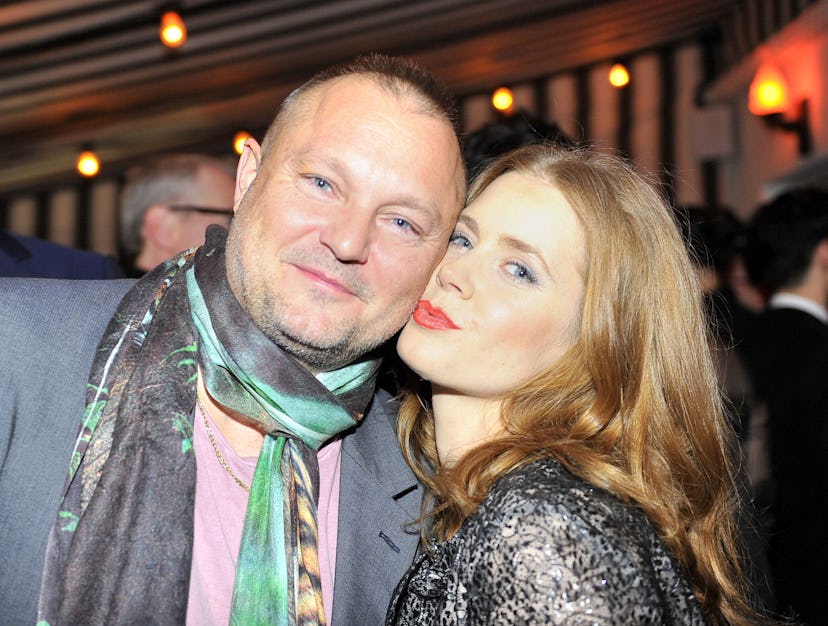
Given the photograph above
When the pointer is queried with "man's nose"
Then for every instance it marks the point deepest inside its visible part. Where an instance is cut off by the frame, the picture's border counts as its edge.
(348, 235)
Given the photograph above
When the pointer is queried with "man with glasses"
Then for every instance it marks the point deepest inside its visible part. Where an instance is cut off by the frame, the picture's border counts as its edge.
(167, 204)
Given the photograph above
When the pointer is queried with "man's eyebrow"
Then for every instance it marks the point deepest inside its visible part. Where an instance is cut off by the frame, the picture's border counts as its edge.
(340, 168)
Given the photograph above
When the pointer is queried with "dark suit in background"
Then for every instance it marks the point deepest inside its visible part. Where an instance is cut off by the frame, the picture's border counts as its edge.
(38, 258)
(787, 354)
(47, 353)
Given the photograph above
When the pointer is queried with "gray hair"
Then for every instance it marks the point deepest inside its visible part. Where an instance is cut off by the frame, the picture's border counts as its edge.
(166, 179)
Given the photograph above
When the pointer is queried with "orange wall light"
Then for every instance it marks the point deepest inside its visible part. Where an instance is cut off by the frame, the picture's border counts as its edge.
(769, 98)
(172, 31)
(769, 91)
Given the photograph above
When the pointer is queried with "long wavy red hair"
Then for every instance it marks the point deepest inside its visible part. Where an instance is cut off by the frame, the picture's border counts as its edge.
(634, 406)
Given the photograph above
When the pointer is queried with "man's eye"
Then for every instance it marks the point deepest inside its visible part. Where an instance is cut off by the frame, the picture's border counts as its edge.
(320, 183)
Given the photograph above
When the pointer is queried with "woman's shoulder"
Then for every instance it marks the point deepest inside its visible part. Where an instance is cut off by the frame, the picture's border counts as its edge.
(546, 488)
(573, 540)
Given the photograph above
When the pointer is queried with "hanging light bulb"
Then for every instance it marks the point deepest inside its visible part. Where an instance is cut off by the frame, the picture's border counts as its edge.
(619, 76)
(502, 99)
(88, 164)
(238, 141)
(172, 31)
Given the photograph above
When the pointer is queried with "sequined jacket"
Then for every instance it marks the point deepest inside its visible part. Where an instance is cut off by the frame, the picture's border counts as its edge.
(546, 547)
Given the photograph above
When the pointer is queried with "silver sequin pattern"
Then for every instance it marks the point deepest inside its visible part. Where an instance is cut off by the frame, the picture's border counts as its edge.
(546, 547)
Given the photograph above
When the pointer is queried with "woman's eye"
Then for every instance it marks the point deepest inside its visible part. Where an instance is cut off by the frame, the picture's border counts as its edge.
(402, 223)
(459, 240)
(520, 272)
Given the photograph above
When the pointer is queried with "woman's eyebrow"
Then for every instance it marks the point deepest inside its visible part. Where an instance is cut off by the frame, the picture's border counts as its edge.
(522, 246)
(469, 222)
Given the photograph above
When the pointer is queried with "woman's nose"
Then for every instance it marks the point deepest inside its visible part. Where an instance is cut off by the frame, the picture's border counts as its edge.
(456, 274)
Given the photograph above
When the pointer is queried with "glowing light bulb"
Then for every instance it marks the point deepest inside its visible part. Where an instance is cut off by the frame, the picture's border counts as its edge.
(768, 92)
(619, 76)
(502, 99)
(88, 164)
(238, 140)
(173, 32)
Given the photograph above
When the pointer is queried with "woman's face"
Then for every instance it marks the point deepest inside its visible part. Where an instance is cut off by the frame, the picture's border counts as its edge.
(505, 302)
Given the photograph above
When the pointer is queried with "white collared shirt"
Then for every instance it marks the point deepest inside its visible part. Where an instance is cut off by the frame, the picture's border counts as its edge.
(785, 300)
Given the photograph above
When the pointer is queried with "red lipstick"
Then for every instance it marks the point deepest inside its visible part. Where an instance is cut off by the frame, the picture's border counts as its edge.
(429, 316)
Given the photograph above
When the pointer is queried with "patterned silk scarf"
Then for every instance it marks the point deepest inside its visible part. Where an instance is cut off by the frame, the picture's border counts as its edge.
(121, 548)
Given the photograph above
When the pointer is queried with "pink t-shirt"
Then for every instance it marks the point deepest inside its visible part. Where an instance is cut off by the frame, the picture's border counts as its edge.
(220, 506)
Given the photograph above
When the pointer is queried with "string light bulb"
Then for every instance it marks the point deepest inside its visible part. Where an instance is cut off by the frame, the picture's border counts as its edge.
(619, 76)
(502, 99)
(238, 141)
(88, 164)
(172, 31)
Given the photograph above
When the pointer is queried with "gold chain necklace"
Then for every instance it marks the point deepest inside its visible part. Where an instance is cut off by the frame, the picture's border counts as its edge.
(219, 455)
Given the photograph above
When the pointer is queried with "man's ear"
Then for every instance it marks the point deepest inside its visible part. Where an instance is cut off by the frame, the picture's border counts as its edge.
(159, 227)
(821, 254)
(247, 169)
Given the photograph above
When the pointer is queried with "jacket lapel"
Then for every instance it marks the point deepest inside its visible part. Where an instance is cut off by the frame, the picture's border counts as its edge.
(378, 505)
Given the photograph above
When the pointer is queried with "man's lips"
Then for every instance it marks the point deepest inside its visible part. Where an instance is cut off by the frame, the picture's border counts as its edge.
(429, 316)
(323, 279)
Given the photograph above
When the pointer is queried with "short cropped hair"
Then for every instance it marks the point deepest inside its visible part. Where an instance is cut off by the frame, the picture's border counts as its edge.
(712, 235)
(495, 139)
(782, 237)
(164, 179)
(400, 76)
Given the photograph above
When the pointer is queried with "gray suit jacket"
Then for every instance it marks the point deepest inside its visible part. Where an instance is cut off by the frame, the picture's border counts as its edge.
(48, 334)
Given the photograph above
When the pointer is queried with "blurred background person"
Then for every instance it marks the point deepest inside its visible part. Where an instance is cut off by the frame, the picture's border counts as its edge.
(168, 202)
(713, 237)
(37, 258)
(488, 142)
(787, 356)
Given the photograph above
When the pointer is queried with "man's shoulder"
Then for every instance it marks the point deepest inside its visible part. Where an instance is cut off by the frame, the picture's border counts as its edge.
(58, 311)
(787, 319)
(29, 256)
(19, 290)
(784, 335)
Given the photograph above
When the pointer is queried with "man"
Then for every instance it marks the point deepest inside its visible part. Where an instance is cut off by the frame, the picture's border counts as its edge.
(340, 217)
(168, 202)
(787, 355)
(33, 257)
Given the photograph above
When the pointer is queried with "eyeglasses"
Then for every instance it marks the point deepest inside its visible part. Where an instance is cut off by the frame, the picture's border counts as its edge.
(200, 209)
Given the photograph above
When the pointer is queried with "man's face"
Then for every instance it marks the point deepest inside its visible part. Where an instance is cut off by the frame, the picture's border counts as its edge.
(212, 189)
(338, 230)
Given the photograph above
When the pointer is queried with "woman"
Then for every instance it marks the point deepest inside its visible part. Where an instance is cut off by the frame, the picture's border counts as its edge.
(573, 445)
